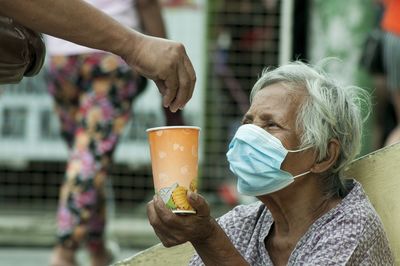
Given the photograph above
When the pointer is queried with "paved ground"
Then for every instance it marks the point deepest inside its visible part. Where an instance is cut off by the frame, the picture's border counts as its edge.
(27, 235)
(40, 256)
(37, 228)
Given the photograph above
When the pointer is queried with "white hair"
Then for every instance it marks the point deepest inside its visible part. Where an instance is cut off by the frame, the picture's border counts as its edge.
(330, 111)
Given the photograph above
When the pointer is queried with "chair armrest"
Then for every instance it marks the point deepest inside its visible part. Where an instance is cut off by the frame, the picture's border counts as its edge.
(160, 255)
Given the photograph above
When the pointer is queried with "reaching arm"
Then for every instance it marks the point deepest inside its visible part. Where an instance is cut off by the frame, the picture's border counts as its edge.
(73, 20)
(163, 61)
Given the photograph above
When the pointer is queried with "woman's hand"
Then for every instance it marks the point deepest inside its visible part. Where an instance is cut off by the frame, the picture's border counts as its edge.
(165, 62)
(207, 237)
(174, 229)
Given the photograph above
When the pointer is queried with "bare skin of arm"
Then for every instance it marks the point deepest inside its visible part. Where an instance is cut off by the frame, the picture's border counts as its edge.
(207, 237)
(163, 61)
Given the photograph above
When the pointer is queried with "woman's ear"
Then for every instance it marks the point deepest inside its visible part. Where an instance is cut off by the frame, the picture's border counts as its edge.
(330, 159)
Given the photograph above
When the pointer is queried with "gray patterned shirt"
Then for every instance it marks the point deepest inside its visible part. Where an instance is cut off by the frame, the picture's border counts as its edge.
(349, 234)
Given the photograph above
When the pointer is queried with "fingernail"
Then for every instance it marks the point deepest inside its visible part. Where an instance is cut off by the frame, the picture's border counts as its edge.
(193, 196)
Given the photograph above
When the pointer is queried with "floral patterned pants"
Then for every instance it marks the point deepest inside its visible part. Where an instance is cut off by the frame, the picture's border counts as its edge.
(93, 95)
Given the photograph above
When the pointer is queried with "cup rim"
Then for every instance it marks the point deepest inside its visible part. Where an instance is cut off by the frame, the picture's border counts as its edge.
(171, 127)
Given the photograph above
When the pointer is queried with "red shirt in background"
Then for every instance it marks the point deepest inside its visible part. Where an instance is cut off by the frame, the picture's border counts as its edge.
(391, 17)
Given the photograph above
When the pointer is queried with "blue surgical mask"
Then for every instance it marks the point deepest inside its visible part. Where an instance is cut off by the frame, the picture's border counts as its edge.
(255, 157)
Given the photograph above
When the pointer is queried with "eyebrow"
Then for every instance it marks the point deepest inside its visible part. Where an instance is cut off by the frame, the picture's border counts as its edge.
(266, 116)
(276, 116)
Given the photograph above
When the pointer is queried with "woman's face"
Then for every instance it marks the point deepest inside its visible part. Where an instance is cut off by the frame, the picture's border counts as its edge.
(275, 108)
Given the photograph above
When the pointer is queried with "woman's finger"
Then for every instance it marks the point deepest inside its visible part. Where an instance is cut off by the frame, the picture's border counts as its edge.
(171, 83)
(183, 93)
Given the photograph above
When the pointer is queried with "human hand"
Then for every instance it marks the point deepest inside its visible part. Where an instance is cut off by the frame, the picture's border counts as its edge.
(173, 229)
(167, 63)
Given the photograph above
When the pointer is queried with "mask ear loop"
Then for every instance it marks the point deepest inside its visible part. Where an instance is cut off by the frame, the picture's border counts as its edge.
(305, 173)
(299, 150)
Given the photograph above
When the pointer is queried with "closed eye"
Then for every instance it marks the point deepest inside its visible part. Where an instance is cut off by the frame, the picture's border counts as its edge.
(272, 124)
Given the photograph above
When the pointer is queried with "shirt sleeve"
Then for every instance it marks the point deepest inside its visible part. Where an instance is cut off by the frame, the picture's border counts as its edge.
(378, 252)
(234, 223)
(223, 222)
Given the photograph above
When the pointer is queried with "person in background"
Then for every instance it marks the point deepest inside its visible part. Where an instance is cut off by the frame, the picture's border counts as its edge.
(93, 93)
(301, 131)
(382, 105)
(163, 61)
(391, 60)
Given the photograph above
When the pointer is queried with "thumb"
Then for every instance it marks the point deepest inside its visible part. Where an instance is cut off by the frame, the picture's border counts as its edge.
(199, 204)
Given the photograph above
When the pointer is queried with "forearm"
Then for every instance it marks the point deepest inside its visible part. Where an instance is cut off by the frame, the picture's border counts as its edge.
(151, 18)
(72, 20)
(219, 250)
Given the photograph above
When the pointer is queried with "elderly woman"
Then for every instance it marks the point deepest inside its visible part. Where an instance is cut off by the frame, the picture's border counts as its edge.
(301, 131)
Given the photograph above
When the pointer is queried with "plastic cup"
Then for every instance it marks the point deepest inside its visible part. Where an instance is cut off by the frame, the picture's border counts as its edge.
(174, 161)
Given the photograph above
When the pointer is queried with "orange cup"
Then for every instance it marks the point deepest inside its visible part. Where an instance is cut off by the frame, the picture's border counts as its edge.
(174, 161)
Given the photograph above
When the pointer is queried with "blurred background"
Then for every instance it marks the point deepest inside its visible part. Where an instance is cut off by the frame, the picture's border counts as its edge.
(229, 43)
